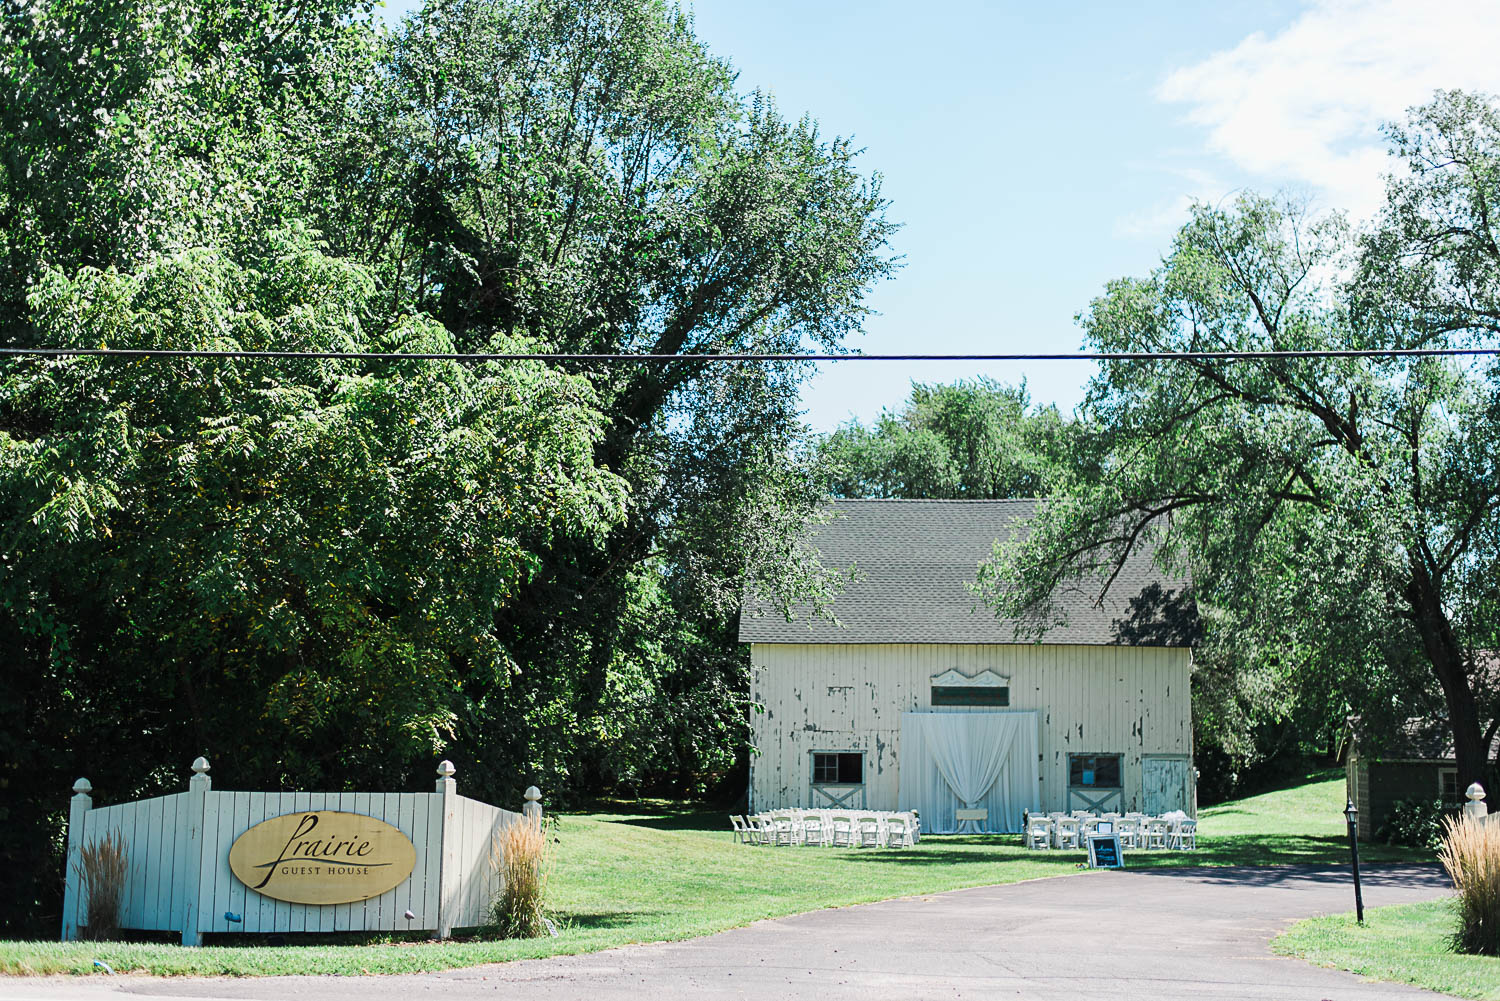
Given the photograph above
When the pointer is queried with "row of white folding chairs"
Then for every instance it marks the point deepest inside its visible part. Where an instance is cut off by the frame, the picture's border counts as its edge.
(1174, 831)
(835, 828)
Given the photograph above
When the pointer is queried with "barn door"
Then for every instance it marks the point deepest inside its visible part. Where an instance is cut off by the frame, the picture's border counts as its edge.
(1164, 784)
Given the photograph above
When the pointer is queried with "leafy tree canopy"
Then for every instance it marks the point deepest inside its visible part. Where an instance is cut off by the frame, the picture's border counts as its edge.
(292, 568)
(1338, 515)
(538, 571)
(978, 439)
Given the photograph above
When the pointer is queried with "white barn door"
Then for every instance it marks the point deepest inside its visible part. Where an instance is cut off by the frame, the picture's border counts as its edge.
(1164, 784)
(950, 761)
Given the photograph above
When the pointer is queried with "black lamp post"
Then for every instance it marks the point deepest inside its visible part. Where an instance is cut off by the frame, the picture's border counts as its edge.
(1352, 816)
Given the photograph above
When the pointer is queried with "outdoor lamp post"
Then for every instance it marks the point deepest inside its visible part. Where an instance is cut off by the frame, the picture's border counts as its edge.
(1352, 816)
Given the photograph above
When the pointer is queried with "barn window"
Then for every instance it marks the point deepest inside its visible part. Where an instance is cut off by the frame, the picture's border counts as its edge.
(1448, 786)
(971, 695)
(1094, 771)
(841, 768)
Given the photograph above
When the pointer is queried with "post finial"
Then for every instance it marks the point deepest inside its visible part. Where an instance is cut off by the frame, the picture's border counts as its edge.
(83, 787)
(445, 769)
(533, 805)
(1474, 793)
(200, 765)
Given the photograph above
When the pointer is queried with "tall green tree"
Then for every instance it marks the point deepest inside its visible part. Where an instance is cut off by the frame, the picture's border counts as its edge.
(1338, 516)
(508, 175)
(977, 439)
(291, 568)
(586, 175)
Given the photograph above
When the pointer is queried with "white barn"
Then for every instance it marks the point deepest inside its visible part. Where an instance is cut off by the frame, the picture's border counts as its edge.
(920, 697)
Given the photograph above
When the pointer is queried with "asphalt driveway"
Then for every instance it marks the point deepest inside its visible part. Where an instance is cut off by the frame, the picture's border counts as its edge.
(1154, 935)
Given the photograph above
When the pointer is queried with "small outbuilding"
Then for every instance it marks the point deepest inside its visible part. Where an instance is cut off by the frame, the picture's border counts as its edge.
(1412, 763)
(920, 697)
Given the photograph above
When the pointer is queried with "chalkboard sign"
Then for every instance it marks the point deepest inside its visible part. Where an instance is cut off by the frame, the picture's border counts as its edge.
(1104, 852)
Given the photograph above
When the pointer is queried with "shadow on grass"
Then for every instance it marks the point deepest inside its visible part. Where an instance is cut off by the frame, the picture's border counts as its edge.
(584, 921)
(317, 940)
(710, 823)
(660, 815)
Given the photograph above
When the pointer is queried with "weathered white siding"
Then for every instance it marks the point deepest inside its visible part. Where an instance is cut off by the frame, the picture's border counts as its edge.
(1125, 700)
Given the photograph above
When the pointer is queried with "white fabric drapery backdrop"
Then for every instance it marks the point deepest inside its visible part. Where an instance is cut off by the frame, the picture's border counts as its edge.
(954, 760)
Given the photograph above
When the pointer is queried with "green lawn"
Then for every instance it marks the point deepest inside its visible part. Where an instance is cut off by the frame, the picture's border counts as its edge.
(1408, 944)
(654, 872)
(1302, 823)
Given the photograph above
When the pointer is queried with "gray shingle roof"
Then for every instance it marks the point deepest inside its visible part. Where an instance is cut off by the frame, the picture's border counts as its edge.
(916, 559)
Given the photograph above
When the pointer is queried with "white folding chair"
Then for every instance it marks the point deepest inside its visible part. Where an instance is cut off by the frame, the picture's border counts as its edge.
(1184, 837)
(1038, 832)
(897, 832)
(841, 830)
(869, 830)
(741, 831)
(1066, 832)
(1154, 834)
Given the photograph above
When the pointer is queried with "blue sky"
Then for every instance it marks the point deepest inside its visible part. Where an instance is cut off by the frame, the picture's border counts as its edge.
(1032, 154)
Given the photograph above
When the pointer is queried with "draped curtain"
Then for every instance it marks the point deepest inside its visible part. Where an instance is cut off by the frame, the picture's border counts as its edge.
(956, 760)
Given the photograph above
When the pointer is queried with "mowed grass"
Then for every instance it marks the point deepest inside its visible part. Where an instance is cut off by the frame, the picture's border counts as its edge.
(1300, 823)
(629, 873)
(1408, 943)
(619, 879)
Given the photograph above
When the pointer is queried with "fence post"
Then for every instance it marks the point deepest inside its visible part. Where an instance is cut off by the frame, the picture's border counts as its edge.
(192, 874)
(533, 807)
(449, 876)
(1475, 808)
(77, 817)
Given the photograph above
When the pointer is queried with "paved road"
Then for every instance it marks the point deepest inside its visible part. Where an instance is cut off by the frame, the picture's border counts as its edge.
(1157, 935)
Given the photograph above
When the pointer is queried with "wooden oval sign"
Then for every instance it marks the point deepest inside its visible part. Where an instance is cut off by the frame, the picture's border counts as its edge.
(322, 857)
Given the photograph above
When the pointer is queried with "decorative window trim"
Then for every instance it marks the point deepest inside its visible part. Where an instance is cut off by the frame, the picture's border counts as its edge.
(984, 679)
(985, 689)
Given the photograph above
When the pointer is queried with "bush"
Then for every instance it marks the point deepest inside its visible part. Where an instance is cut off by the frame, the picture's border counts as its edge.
(102, 869)
(521, 858)
(1417, 823)
(1471, 854)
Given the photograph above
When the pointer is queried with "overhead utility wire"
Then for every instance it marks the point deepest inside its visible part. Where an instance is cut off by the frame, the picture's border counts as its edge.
(741, 358)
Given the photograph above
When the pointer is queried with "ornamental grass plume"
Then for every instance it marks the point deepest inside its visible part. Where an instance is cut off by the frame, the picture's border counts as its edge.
(520, 856)
(102, 869)
(1471, 854)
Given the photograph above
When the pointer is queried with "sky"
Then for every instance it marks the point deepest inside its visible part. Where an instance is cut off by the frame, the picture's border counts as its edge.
(1033, 154)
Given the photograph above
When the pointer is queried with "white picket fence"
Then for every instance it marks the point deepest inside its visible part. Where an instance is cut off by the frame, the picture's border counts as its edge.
(177, 852)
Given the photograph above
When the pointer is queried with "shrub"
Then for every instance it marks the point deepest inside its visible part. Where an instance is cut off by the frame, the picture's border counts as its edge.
(1471, 854)
(102, 869)
(1417, 823)
(521, 858)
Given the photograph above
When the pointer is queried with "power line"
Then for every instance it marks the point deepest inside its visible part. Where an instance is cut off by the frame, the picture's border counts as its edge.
(741, 358)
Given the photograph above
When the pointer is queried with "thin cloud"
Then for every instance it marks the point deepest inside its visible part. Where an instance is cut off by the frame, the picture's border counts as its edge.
(1304, 106)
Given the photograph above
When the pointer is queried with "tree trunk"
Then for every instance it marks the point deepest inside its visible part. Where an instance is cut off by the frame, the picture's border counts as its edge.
(1449, 666)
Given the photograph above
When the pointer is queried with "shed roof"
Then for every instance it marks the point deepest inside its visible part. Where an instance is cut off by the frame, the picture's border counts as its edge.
(916, 560)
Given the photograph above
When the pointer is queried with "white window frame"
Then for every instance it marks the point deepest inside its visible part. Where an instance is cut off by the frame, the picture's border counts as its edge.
(1458, 794)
